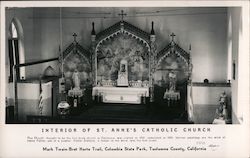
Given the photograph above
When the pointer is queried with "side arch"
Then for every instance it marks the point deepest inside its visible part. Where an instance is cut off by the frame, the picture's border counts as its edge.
(75, 57)
(173, 48)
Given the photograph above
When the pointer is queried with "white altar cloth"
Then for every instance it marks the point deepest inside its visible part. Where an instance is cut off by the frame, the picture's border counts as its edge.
(130, 95)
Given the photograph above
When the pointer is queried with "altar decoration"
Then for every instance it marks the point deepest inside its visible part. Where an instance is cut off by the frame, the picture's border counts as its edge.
(123, 74)
(63, 108)
(108, 83)
(131, 95)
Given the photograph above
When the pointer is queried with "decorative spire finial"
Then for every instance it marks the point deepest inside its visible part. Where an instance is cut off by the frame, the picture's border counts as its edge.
(190, 48)
(152, 29)
(122, 14)
(93, 29)
(172, 36)
(74, 35)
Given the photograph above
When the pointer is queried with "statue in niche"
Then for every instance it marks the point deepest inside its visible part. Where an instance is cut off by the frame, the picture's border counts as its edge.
(123, 69)
(123, 73)
(76, 79)
(172, 81)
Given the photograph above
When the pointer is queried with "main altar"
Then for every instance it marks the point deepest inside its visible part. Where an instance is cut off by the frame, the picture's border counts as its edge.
(126, 66)
(123, 65)
(121, 90)
(121, 95)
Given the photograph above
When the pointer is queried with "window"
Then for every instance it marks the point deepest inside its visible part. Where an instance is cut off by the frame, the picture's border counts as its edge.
(13, 30)
(16, 49)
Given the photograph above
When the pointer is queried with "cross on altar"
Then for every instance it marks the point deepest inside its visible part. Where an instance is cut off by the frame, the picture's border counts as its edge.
(122, 14)
(74, 35)
(172, 35)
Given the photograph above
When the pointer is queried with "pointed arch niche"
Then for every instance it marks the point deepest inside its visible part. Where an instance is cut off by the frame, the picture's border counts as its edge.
(75, 57)
(121, 41)
(172, 58)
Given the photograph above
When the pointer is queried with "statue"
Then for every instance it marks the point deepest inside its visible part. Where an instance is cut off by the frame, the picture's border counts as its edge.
(123, 73)
(76, 79)
(172, 81)
(76, 92)
(223, 102)
(123, 69)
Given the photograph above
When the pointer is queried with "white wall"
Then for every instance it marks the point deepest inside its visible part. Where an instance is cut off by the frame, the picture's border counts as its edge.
(206, 95)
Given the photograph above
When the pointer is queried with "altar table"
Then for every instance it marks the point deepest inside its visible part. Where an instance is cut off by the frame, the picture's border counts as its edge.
(129, 95)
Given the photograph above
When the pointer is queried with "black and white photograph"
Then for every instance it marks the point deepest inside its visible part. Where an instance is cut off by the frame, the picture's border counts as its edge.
(122, 65)
(124, 79)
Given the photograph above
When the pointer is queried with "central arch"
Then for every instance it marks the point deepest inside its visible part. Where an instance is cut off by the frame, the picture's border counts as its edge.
(122, 41)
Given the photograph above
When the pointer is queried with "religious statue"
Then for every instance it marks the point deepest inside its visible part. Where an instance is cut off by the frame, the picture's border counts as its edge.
(76, 79)
(223, 102)
(172, 81)
(123, 73)
(171, 94)
(76, 92)
(123, 69)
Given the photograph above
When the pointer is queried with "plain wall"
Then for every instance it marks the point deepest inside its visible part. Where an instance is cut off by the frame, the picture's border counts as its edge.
(206, 95)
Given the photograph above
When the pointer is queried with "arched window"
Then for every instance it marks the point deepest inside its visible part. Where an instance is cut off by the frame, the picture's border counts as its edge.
(16, 49)
(13, 30)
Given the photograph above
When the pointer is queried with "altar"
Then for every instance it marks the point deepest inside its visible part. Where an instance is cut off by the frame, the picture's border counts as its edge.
(126, 67)
(130, 95)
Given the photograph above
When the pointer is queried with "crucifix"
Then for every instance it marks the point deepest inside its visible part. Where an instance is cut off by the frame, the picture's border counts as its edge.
(122, 14)
(172, 36)
(74, 35)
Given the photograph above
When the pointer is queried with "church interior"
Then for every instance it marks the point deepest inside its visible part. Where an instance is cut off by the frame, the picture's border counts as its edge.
(170, 65)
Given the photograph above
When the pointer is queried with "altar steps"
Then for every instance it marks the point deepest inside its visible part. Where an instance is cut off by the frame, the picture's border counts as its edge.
(116, 112)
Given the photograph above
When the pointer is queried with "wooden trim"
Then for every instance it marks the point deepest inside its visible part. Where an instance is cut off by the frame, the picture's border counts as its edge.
(201, 84)
(36, 62)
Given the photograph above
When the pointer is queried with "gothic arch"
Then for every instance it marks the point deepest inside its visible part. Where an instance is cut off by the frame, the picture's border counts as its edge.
(131, 34)
(19, 36)
(113, 37)
(76, 48)
(76, 57)
(173, 48)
